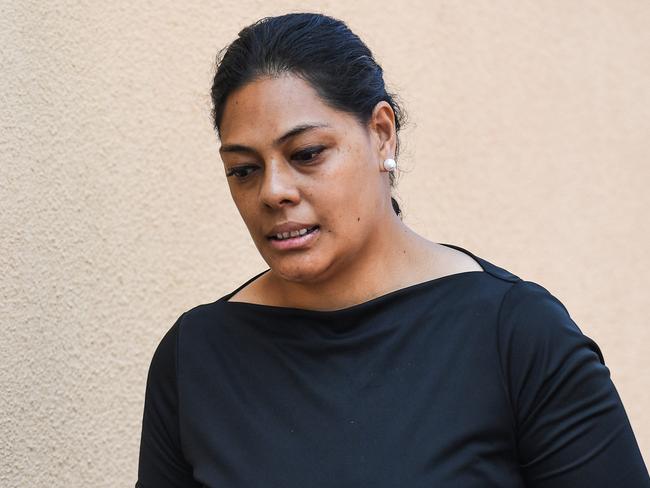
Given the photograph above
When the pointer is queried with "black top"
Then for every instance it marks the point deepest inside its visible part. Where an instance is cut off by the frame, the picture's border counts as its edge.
(476, 379)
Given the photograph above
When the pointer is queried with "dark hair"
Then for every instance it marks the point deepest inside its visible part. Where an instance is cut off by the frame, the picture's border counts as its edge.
(321, 50)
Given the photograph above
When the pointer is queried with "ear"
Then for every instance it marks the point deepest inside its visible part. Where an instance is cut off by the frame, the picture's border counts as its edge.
(382, 129)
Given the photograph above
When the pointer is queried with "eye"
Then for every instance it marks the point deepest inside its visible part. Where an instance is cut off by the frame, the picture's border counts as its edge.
(307, 155)
(240, 172)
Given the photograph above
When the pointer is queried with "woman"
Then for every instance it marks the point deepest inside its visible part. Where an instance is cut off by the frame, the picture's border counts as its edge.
(366, 355)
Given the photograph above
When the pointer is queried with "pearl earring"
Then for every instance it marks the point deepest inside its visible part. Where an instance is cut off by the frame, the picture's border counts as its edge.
(390, 164)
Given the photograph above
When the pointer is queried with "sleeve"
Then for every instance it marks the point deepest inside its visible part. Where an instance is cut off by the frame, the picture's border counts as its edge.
(161, 461)
(571, 427)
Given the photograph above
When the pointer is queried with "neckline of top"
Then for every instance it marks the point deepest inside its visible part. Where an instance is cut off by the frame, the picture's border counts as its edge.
(486, 266)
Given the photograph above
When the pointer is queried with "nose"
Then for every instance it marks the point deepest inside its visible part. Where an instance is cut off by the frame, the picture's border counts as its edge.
(279, 186)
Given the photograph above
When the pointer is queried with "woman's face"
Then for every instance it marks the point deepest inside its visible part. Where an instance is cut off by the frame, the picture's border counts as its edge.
(293, 161)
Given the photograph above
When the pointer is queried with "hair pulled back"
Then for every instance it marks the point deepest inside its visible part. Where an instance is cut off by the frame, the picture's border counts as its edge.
(319, 49)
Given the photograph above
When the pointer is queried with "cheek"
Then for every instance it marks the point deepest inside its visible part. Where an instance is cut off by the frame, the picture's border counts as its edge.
(351, 172)
(355, 181)
(341, 197)
(246, 207)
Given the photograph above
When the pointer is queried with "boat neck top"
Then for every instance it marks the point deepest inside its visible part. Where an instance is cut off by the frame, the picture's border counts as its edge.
(373, 302)
(474, 379)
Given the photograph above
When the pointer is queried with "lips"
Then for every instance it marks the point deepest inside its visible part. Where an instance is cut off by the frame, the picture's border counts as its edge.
(309, 229)
(301, 242)
(289, 227)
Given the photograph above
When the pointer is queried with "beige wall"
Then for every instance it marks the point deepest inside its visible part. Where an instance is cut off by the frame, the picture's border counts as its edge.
(527, 144)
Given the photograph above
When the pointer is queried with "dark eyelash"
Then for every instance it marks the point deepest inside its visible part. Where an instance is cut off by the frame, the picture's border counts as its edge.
(312, 151)
(315, 151)
(237, 172)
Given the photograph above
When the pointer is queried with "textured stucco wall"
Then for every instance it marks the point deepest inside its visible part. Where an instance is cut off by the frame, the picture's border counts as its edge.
(527, 144)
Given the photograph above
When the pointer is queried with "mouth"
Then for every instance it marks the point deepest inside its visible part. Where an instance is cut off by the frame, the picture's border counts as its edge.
(296, 241)
(286, 237)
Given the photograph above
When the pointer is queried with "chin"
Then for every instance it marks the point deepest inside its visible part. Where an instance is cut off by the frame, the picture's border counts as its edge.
(298, 269)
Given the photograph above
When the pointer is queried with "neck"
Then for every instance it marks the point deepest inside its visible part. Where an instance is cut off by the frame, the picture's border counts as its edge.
(394, 257)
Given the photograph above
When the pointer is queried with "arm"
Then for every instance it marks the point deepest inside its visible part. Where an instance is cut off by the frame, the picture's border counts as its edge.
(161, 461)
(571, 427)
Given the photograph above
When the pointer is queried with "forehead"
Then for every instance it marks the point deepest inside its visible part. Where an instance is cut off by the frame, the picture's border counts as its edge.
(269, 106)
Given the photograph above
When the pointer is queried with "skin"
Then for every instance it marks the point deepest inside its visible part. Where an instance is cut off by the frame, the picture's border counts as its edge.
(363, 249)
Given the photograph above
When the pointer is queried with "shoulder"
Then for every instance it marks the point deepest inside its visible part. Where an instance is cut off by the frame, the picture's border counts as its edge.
(529, 304)
(203, 327)
(535, 326)
(531, 320)
(525, 297)
(164, 357)
(451, 260)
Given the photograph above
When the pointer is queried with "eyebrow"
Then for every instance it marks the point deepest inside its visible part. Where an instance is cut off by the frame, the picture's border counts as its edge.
(299, 129)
